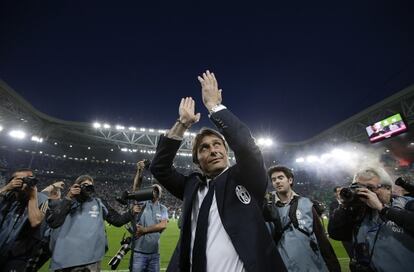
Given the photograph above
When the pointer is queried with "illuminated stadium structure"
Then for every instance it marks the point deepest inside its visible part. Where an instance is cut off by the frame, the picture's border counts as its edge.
(37, 134)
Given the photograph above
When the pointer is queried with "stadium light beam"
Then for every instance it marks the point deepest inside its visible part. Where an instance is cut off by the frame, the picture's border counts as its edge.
(300, 160)
(107, 126)
(119, 127)
(17, 134)
(311, 159)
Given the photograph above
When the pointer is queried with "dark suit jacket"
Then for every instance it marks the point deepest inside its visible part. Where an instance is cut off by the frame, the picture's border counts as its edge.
(243, 223)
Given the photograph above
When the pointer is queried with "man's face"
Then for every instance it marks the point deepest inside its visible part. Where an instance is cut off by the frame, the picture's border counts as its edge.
(337, 191)
(22, 174)
(212, 155)
(281, 183)
(383, 193)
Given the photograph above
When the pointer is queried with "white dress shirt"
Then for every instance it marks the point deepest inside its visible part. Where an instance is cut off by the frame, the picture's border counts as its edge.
(220, 252)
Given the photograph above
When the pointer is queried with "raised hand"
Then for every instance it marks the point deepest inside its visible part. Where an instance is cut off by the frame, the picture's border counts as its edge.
(186, 112)
(209, 89)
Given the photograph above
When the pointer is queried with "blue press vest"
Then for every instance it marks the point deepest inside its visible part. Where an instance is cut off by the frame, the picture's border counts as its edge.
(294, 245)
(394, 247)
(81, 239)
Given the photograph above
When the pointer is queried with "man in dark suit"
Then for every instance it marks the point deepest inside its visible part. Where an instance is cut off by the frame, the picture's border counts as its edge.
(223, 227)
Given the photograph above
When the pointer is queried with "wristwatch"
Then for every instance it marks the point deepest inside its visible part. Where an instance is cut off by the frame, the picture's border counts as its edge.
(217, 108)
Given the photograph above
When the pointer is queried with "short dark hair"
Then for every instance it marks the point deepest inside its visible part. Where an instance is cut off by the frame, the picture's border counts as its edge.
(280, 168)
(200, 135)
(82, 178)
(14, 171)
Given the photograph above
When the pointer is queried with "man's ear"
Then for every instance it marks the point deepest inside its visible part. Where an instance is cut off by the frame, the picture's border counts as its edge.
(291, 181)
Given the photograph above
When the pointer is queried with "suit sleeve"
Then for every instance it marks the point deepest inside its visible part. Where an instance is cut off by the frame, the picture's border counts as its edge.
(325, 246)
(341, 224)
(56, 214)
(162, 167)
(249, 158)
(115, 218)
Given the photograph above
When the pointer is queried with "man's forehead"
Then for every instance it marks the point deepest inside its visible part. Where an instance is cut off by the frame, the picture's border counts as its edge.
(373, 180)
(278, 174)
(210, 138)
(24, 173)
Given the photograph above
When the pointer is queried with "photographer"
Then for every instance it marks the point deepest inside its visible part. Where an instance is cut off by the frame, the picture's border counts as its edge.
(297, 229)
(145, 245)
(79, 240)
(379, 225)
(20, 218)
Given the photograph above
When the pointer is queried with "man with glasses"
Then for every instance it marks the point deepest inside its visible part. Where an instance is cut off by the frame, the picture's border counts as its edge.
(380, 226)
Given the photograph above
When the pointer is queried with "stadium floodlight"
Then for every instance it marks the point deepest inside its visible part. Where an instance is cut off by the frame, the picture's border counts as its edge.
(132, 128)
(55, 143)
(123, 161)
(142, 129)
(112, 149)
(86, 158)
(124, 149)
(300, 160)
(311, 159)
(17, 134)
(106, 160)
(186, 133)
(37, 139)
(96, 125)
(193, 134)
(151, 130)
(119, 127)
(162, 131)
(89, 148)
(107, 126)
(70, 146)
(265, 142)
(64, 156)
(40, 152)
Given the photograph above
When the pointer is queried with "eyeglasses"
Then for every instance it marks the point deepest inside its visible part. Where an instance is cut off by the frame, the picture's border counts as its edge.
(374, 188)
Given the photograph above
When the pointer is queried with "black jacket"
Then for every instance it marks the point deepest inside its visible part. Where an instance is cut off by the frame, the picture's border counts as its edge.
(243, 223)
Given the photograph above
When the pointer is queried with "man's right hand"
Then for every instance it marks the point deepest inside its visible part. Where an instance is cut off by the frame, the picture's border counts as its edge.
(140, 165)
(74, 191)
(15, 183)
(187, 112)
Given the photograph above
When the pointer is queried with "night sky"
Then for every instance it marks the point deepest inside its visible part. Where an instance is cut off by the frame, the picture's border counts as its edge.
(288, 70)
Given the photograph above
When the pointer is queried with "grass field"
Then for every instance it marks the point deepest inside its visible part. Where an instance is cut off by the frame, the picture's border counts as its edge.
(167, 244)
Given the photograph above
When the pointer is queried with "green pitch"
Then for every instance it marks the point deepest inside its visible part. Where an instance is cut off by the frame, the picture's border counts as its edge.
(167, 245)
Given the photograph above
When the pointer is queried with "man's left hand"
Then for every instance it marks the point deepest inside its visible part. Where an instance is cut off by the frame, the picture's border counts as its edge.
(140, 231)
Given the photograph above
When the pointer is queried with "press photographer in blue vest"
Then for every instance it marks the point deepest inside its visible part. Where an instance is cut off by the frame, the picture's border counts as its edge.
(380, 225)
(296, 227)
(78, 240)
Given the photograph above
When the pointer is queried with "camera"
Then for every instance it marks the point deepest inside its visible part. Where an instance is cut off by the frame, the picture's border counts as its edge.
(87, 188)
(30, 181)
(406, 184)
(147, 163)
(125, 247)
(141, 195)
(349, 195)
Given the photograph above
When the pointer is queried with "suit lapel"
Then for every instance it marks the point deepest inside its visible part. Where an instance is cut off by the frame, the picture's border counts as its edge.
(220, 188)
